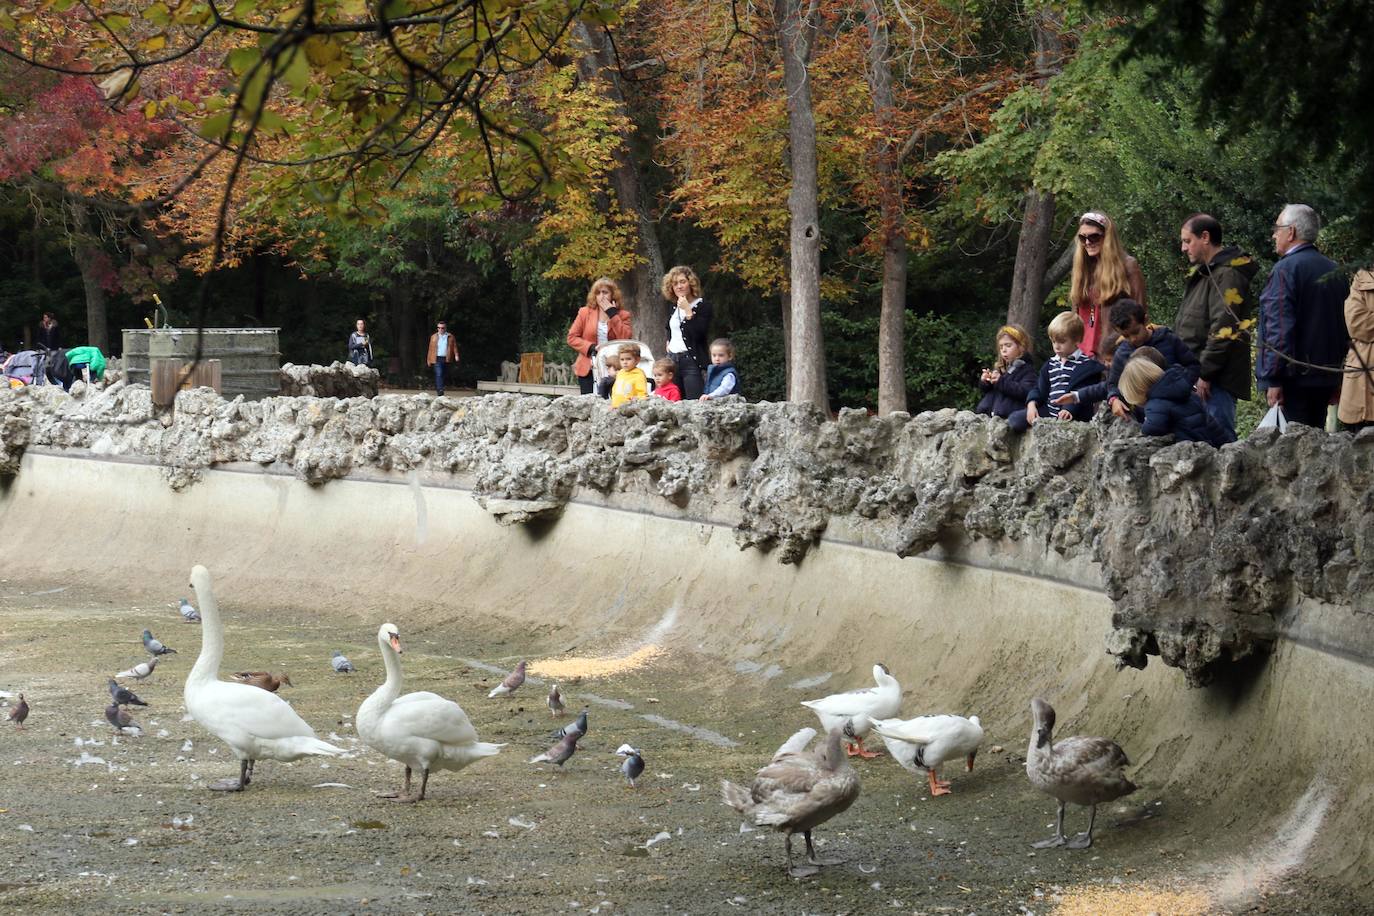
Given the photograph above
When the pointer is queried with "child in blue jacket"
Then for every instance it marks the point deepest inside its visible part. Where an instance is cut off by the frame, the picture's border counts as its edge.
(1171, 407)
(1069, 370)
(1011, 378)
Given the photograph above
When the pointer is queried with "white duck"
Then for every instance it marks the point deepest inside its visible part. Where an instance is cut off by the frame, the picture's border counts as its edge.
(798, 791)
(926, 742)
(854, 712)
(256, 725)
(1085, 771)
(422, 730)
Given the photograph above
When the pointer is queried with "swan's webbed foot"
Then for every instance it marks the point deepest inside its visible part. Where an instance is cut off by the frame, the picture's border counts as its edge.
(815, 859)
(1056, 840)
(403, 799)
(1082, 841)
(235, 785)
(938, 786)
(798, 871)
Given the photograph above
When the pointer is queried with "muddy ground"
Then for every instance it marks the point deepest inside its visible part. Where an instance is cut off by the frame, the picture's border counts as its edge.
(94, 823)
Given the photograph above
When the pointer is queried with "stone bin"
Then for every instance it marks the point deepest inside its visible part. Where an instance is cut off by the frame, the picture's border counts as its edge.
(250, 358)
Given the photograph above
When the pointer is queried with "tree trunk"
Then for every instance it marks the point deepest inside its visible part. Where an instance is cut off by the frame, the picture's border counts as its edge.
(892, 316)
(796, 35)
(786, 300)
(641, 284)
(1032, 250)
(89, 259)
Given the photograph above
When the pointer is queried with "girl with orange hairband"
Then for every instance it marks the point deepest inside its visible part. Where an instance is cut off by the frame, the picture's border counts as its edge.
(1012, 376)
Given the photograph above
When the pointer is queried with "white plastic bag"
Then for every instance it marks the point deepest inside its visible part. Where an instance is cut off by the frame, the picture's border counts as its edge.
(1274, 419)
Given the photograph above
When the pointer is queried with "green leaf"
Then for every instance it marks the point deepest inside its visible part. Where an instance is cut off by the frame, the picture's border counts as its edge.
(241, 59)
(297, 70)
(215, 126)
(245, 8)
(158, 15)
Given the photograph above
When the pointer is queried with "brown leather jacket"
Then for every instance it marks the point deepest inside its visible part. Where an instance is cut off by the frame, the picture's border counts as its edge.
(433, 357)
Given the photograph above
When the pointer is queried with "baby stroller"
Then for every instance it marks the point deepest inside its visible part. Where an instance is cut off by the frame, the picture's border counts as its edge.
(612, 347)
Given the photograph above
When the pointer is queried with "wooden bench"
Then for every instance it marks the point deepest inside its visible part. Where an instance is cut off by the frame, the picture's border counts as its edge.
(533, 376)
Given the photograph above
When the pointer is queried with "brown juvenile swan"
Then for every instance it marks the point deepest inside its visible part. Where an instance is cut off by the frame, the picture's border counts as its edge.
(1085, 771)
(798, 791)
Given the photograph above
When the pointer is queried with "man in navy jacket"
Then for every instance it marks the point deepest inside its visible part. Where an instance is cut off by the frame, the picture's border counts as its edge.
(1301, 322)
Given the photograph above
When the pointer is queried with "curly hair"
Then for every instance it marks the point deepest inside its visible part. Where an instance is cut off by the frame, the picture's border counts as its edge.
(670, 278)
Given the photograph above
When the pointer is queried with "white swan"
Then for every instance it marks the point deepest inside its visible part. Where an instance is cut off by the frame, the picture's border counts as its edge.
(256, 725)
(422, 730)
(854, 712)
(926, 742)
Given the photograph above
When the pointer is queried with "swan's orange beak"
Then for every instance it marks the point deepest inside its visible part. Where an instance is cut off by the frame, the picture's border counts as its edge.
(396, 642)
(970, 761)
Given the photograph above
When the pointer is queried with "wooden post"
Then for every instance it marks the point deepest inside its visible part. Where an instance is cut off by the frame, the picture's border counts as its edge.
(170, 376)
(531, 368)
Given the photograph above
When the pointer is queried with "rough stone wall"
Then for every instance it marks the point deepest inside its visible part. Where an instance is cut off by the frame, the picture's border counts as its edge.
(1200, 549)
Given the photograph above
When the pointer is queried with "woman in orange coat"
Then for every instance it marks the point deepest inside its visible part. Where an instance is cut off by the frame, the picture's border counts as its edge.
(603, 318)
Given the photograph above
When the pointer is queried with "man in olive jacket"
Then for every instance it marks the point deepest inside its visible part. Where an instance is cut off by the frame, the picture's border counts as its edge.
(1216, 297)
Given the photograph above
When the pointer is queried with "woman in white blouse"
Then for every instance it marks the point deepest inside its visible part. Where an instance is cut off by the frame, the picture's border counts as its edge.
(689, 326)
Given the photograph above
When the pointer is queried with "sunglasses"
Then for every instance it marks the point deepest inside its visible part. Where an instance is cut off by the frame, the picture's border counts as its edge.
(1090, 238)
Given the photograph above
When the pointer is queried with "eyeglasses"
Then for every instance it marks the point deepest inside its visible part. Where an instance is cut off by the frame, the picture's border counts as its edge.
(1279, 226)
(1090, 238)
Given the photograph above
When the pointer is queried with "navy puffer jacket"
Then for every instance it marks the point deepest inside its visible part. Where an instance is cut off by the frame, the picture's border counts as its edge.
(1173, 408)
(1009, 392)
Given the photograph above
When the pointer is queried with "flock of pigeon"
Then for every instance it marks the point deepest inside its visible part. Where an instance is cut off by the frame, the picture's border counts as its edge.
(798, 789)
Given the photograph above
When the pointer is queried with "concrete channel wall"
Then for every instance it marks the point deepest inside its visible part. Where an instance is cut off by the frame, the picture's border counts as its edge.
(1290, 730)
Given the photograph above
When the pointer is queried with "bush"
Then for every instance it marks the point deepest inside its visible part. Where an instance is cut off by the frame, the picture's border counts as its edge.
(943, 356)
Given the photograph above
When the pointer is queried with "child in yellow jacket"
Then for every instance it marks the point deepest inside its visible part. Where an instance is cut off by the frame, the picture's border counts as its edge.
(630, 383)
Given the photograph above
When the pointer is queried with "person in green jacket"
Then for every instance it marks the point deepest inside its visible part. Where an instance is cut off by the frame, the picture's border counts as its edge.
(1216, 299)
(91, 357)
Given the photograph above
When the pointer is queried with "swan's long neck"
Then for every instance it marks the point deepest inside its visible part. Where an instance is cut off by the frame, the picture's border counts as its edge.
(386, 694)
(392, 687)
(206, 667)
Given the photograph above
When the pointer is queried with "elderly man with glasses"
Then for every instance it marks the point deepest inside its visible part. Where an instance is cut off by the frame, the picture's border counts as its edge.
(1302, 335)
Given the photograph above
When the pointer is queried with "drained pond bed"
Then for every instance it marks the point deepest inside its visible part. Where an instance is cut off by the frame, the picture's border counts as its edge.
(94, 822)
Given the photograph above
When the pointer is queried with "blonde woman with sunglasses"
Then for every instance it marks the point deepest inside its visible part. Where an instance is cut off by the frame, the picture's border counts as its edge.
(1102, 273)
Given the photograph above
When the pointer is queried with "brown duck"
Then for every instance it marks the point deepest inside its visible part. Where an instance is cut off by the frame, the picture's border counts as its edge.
(798, 791)
(264, 679)
(1081, 770)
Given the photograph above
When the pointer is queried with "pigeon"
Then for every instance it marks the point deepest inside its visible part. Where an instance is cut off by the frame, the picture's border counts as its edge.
(155, 647)
(264, 679)
(119, 717)
(341, 663)
(633, 765)
(576, 727)
(123, 696)
(512, 681)
(188, 612)
(140, 671)
(561, 752)
(20, 712)
(555, 700)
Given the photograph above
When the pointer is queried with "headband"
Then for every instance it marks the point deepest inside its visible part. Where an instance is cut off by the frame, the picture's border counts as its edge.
(1099, 220)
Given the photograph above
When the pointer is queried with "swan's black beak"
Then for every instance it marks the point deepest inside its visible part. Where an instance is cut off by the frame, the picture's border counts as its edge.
(396, 643)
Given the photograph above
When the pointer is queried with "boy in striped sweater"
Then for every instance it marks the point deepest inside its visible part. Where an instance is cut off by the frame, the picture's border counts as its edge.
(1068, 370)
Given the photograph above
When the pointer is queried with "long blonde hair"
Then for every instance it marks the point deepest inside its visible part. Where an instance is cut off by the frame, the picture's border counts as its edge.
(1108, 272)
